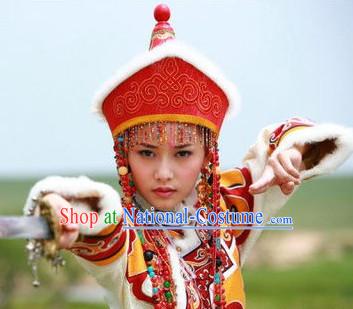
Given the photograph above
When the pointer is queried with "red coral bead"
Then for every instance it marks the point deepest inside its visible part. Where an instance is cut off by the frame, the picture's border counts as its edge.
(161, 13)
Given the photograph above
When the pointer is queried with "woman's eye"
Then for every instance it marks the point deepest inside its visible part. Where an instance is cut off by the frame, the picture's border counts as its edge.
(146, 153)
(184, 153)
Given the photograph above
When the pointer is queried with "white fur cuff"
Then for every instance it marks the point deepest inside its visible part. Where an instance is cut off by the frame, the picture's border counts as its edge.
(77, 189)
(342, 136)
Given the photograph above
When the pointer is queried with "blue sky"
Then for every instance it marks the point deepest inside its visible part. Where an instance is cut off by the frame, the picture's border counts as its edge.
(287, 58)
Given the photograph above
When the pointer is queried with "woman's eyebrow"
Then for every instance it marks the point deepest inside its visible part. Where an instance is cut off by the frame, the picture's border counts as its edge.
(182, 146)
(148, 145)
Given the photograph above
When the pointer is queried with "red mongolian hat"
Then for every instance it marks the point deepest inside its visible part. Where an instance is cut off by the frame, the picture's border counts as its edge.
(170, 82)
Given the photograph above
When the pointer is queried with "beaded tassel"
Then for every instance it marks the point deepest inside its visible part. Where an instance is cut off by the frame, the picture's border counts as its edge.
(209, 197)
(217, 254)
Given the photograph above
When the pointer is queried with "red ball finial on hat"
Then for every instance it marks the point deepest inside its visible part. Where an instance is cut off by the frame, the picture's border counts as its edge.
(162, 31)
(162, 13)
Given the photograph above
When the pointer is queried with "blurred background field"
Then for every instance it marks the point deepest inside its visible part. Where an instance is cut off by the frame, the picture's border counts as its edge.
(310, 267)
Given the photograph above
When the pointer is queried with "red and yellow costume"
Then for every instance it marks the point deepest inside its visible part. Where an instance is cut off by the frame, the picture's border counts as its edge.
(172, 84)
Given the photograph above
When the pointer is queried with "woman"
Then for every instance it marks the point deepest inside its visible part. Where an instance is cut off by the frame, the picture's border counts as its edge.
(165, 112)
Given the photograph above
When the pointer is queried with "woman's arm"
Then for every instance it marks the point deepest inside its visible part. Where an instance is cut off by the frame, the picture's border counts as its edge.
(98, 242)
(283, 156)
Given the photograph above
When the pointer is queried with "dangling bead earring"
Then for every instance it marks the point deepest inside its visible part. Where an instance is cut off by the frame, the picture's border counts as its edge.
(216, 250)
(126, 183)
(203, 188)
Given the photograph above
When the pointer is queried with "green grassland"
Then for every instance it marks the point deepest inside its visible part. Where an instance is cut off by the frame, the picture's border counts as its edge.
(322, 283)
(324, 204)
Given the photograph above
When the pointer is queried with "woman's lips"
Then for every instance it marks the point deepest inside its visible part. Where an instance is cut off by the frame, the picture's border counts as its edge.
(164, 192)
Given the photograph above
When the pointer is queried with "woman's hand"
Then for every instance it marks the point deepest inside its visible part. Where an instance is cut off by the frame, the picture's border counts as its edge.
(282, 170)
(68, 232)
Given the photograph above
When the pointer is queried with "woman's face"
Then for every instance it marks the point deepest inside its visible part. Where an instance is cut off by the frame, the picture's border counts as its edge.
(166, 174)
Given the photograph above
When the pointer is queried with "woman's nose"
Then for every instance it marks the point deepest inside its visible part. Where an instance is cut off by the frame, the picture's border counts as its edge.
(164, 171)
